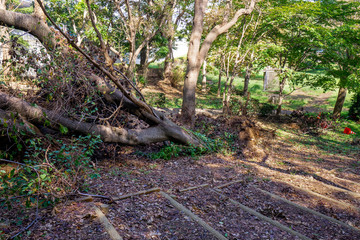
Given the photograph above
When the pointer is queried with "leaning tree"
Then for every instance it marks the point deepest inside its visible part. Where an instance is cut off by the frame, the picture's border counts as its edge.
(112, 92)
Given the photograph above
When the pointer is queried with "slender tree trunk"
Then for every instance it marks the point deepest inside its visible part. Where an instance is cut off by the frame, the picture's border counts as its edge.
(169, 61)
(203, 83)
(281, 97)
(247, 79)
(228, 95)
(144, 60)
(219, 81)
(339, 102)
(194, 63)
(225, 105)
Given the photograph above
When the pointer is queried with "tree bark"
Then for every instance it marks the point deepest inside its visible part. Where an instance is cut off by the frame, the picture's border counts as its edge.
(169, 61)
(29, 23)
(203, 83)
(197, 55)
(158, 133)
(247, 79)
(219, 81)
(339, 102)
(281, 97)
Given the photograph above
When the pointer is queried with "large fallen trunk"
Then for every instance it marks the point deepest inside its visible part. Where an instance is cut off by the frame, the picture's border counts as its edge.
(157, 133)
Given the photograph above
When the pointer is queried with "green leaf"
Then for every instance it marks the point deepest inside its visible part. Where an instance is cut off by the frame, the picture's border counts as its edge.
(63, 129)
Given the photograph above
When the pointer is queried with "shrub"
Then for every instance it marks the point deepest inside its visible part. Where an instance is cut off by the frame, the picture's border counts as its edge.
(266, 109)
(52, 168)
(354, 111)
(178, 75)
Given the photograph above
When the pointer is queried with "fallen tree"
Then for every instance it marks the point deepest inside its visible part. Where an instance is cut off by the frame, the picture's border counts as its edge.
(159, 127)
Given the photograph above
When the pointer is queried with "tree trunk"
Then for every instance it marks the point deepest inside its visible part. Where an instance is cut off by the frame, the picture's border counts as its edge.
(197, 55)
(169, 60)
(203, 83)
(193, 65)
(339, 102)
(219, 82)
(29, 23)
(144, 59)
(247, 79)
(281, 90)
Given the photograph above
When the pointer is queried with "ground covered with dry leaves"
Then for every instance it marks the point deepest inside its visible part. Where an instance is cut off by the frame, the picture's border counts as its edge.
(282, 162)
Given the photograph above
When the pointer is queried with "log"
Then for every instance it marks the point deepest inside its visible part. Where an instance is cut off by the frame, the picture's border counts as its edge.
(262, 217)
(114, 235)
(307, 209)
(186, 211)
(158, 133)
(136, 194)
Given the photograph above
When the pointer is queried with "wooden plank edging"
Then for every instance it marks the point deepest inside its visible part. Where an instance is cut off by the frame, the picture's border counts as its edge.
(197, 219)
(114, 235)
(136, 194)
(262, 217)
(307, 209)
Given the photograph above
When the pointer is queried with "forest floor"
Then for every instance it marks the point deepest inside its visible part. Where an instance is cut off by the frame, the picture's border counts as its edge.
(320, 172)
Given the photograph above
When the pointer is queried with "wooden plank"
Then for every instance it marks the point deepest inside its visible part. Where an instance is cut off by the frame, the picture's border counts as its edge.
(197, 219)
(336, 202)
(114, 235)
(136, 194)
(262, 217)
(193, 188)
(307, 209)
(228, 184)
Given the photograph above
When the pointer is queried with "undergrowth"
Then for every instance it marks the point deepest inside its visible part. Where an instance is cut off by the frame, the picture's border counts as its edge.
(223, 144)
(51, 169)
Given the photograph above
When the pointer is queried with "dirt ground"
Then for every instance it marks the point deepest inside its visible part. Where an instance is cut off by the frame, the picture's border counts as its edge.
(308, 176)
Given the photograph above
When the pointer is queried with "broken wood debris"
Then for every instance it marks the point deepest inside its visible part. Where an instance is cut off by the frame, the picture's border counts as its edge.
(307, 209)
(262, 217)
(136, 194)
(197, 219)
(114, 235)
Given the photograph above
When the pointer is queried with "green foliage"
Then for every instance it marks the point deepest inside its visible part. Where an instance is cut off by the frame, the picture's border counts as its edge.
(52, 169)
(156, 99)
(266, 109)
(354, 111)
(173, 150)
(178, 75)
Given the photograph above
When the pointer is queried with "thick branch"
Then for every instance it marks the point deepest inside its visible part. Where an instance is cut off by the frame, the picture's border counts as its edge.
(220, 29)
(29, 23)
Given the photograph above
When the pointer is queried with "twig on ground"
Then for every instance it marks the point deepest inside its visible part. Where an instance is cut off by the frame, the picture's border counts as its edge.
(136, 194)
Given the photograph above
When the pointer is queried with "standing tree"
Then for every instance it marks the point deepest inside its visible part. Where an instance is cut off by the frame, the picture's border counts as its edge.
(198, 51)
(340, 49)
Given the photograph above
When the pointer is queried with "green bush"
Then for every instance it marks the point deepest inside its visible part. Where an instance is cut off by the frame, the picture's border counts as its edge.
(178, 75)
(266, 109)
(354, 111)
(52, 168)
